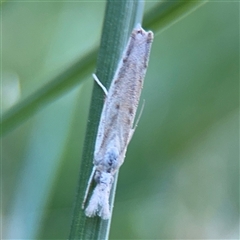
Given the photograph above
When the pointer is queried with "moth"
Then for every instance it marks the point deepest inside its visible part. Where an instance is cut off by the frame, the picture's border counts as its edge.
(116, 123)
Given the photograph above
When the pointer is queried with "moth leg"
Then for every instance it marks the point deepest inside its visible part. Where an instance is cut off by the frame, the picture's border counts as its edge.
(88, 186)
(136, 124)
(100, 84)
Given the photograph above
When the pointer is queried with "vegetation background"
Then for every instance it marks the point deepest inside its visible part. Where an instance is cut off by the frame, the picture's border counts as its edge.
(180, 179)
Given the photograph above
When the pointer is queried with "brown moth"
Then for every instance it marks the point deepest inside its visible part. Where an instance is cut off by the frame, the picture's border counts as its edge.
(116, 124)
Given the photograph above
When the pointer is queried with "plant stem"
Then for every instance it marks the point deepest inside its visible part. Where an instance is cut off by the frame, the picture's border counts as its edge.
(120, 18)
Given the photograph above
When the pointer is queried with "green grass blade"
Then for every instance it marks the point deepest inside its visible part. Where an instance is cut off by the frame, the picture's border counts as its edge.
(166, 13)
(49, 92)
(120, 17)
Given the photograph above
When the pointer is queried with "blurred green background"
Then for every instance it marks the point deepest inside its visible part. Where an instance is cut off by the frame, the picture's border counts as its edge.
(180, 179)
